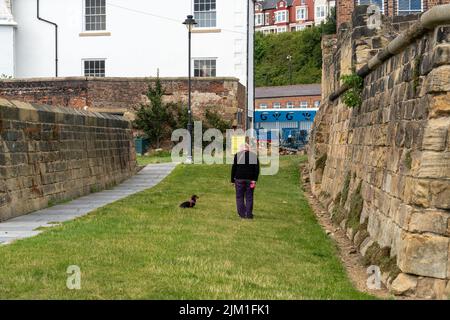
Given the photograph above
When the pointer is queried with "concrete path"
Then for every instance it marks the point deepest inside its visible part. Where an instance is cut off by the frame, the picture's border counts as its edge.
(26, 226)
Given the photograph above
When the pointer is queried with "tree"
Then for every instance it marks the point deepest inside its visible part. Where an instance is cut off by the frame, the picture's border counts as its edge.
(329, 27)
(272, 50)
(155, 117)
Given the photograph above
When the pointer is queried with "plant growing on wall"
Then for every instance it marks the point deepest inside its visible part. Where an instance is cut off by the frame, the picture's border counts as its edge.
(155, 117)
(353, 96)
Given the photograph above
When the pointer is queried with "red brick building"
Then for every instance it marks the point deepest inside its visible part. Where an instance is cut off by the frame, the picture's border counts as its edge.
(288, 97)
(344, 8)
(276, 16)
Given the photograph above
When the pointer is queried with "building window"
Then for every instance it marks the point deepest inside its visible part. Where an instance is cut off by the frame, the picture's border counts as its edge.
(281, 16)
(263, 106)
(290, 105)
(304, 104)
(276, 105)
(409, 7)
(300, 27)
(205, 13)
(267, 19)
(316, 104)
(302, 13)
(378, 3)
(94, 68)
(259, 17)
(205, 67)
(95, 15)
(281, 29)
(321, 12)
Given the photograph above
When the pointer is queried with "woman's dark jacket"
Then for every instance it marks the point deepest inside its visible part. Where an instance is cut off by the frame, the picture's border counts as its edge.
(245, 166)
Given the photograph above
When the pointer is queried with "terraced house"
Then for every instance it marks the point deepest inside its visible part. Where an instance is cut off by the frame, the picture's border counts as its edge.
(276, 16)
(121, 38)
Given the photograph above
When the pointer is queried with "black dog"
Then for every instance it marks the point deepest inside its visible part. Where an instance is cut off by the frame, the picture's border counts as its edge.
(190, 203)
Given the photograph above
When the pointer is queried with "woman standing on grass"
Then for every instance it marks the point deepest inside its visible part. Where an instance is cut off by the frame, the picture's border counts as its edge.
(244, 174)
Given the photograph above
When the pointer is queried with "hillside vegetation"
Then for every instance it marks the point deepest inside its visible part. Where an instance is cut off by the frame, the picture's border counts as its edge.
(272, 66)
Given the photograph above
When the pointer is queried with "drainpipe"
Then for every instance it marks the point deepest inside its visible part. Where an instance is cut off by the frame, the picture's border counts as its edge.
(56, 38)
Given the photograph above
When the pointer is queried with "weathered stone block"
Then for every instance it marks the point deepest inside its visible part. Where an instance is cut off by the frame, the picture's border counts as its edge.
(404, 284)
(435, 135)
(437, 81)
(429, 221)
(440, 194)
(424, 255)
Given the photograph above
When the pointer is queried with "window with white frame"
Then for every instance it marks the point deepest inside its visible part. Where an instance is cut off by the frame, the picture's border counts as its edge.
(300, 27)
(281, 29)
(94, 68)
(95, 15)
(405, 7)
(267, 19)
(379, 3)
(302, 13)
(263, 106)
(259, 19)
(205, 13)
(303, 104)
(276, 105)
(205, 67)
(281, 16)
(321, 12)
(290, 105)
(317, 104)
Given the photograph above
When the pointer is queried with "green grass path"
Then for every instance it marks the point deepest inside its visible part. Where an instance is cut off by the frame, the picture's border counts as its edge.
(144, 247)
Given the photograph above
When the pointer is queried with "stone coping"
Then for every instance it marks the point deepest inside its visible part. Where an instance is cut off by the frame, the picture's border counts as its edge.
(117, 79)
(31, 113)
(428, 21)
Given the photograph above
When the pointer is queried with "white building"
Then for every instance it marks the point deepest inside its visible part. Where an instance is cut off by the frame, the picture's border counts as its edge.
(7, 46)
(322, 9)
(122, 38)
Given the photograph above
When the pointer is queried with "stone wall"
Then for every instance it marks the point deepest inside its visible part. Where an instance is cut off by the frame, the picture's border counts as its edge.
(383, 169)
(120, 95)
(345, 8)
(52, 154)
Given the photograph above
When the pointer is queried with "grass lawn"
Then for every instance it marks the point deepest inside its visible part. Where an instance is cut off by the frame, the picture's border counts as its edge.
(145, 247)
(158, 157)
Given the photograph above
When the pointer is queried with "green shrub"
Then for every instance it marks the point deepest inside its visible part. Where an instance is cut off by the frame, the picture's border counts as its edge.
(353, 96)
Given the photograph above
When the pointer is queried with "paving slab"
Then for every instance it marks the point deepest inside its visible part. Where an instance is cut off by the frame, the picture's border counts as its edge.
(28, 225)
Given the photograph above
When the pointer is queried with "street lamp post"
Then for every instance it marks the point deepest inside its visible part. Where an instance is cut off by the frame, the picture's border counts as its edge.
(289, 58)
(189, 23)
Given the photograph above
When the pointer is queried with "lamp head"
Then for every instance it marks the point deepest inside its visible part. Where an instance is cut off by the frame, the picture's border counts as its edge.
(190, 22)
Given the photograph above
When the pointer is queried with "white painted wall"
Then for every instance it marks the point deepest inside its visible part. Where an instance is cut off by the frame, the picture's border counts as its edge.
(141, 41)
(6, 50)
(7, 25)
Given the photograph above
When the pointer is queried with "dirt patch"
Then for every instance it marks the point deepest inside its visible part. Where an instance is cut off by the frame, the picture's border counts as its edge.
(349, 255)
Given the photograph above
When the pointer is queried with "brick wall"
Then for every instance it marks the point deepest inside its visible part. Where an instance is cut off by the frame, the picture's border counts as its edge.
(120, 95)
(284, 100)
(49, 154)
(382, 170)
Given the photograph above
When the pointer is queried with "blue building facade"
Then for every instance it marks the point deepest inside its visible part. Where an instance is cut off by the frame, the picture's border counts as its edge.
(290, 124)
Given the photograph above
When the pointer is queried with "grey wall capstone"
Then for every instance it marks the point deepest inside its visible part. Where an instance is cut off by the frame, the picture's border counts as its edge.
(52, 154)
